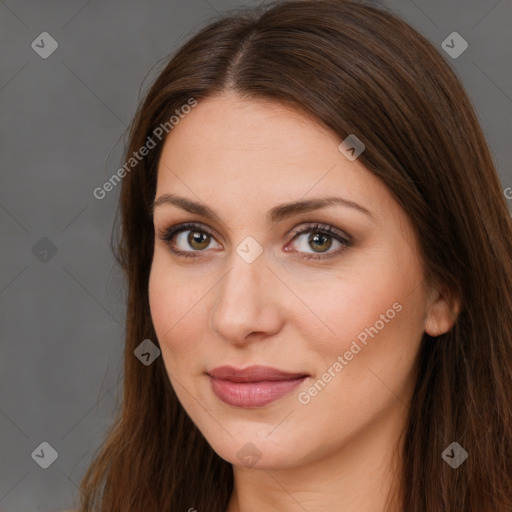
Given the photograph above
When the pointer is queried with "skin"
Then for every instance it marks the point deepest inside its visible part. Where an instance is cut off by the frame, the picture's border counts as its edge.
(340, 451)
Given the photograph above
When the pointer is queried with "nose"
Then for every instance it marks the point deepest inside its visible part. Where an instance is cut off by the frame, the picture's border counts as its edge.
(247, 302)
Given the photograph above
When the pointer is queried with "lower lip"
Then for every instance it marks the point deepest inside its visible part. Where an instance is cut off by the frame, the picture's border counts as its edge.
(253, 394)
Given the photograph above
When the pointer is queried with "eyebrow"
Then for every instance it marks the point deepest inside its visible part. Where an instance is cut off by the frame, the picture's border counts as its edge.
(274, 215)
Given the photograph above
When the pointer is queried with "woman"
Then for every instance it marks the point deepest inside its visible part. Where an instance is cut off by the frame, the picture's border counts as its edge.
(318, 254)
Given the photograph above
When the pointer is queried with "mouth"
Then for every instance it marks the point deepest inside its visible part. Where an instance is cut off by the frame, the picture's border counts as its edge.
(255, 386)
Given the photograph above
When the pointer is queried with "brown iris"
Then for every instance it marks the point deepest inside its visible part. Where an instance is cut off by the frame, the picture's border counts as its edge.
(197, 237)
(316, 237)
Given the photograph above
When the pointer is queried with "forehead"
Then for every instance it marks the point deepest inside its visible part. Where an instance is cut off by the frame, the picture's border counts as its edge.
(265, 152)
(228, 124)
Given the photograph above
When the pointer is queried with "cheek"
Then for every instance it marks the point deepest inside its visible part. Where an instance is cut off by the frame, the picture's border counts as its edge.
(345, 308)
(162, 298)
(377, 320)
(177, 312)
(377, 360)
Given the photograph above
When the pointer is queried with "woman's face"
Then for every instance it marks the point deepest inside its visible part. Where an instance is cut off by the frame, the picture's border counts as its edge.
(350, 318)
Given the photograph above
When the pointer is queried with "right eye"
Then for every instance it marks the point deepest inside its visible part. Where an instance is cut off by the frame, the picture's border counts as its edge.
(190, 234)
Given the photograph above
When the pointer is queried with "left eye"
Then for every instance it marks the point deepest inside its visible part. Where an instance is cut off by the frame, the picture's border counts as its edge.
(321, 237)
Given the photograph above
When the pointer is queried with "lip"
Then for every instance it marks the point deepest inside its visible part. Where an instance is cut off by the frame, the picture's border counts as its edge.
(254, 386)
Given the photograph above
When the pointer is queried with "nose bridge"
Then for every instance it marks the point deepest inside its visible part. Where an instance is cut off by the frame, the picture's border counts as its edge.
(241, 286)
(247, 272)
(242, 304)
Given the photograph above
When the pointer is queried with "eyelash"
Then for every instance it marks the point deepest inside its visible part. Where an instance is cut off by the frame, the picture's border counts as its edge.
(167, 235)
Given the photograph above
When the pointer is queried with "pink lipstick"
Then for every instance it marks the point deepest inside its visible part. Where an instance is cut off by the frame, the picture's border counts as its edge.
(254, 386)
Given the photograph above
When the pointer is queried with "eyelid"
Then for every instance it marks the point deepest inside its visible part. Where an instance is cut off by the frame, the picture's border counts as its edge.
(168, 233)
(321, 227)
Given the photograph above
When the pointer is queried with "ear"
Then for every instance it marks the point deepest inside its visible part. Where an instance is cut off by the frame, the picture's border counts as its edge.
(443, 310)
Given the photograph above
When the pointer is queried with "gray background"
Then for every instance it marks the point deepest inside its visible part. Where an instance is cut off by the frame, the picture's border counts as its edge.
(62, 134)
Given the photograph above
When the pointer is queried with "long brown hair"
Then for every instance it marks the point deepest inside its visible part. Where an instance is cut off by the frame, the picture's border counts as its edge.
(356, 69)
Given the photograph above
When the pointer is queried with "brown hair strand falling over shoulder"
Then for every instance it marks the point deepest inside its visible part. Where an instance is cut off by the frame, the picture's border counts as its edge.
(355, 69)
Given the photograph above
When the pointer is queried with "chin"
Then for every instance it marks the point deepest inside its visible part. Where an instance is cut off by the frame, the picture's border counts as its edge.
(250, 451)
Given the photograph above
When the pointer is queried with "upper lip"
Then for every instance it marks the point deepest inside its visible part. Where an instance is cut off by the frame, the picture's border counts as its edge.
(252, 374)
